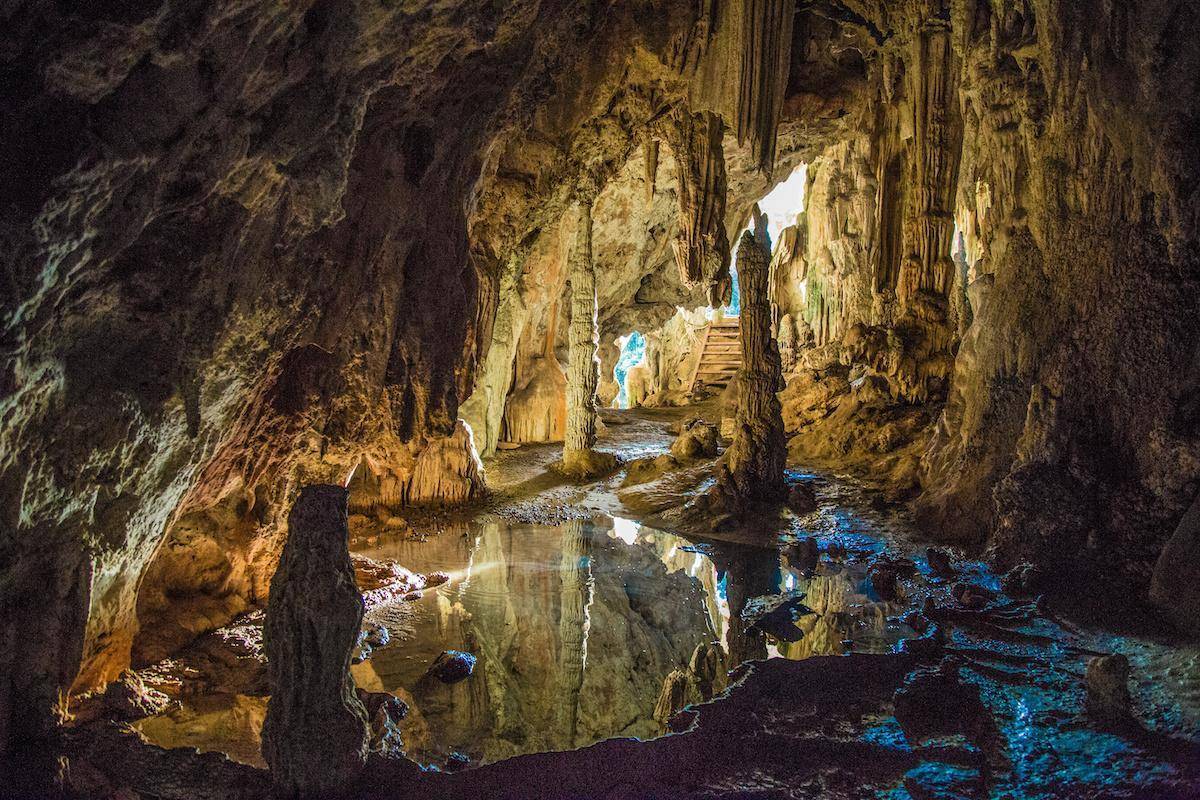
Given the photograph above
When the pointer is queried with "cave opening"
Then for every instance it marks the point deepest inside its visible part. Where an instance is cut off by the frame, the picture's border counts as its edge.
(631, 353)
(544, 379)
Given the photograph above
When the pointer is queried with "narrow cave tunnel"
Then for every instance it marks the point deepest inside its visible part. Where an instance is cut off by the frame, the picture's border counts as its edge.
(756, 398)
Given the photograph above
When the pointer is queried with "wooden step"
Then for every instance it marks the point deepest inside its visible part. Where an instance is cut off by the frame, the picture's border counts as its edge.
(720, 354)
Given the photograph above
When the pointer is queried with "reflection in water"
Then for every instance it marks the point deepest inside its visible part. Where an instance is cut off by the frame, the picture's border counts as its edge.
(575, 629)
(573, 624)
(226, 723)
(580, 630)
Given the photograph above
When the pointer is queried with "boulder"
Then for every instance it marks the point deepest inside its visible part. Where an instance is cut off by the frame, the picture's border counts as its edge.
(939, 563)
(802, 498)
(937, 702)
(643, 470)
(697, 439)
(451, 666)
(972, 595)
(884, 579)
(385, 712)
(129, 698)
(803, 554)
(1175, 582)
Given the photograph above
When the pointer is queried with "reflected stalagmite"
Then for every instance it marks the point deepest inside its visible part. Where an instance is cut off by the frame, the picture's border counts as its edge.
(573, 624)
(748, 572)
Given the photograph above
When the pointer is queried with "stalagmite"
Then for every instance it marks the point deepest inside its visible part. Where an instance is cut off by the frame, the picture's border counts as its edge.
(752, 468)
(702, 247)
(315, 736)
(580, 459)
(574, 624)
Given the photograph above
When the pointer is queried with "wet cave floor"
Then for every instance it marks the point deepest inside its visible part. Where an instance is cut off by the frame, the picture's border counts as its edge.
(842, 663)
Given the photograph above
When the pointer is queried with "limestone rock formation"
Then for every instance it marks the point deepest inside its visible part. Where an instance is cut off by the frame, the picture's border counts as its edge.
(752, 468)
(697, 439)
(315, 736)
(580, 459)
(250, 246)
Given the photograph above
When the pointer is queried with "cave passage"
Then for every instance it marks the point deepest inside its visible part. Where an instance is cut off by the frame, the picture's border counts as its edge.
(455, 399)
(631, 353)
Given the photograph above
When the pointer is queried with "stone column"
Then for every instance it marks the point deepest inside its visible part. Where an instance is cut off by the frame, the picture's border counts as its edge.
(315, 736)
(752, 467)
(580, 460)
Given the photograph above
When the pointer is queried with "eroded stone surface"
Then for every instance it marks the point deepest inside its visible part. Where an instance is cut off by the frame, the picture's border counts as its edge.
(315, 735)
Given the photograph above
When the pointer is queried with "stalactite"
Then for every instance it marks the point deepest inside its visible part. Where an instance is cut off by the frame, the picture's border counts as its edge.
(765, 38)
(537, 411)
(574, 623)
(752, 468)
(702, 247)
(650, 152)
(891, 210)
(926, 266)
(448, 471)
(690, 46)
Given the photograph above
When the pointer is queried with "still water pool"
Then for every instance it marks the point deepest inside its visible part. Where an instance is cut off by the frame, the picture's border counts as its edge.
(582, 631)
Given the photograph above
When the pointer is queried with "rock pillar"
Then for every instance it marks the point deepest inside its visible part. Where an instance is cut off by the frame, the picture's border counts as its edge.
(580, 460)
(315, 736)
(752, 467)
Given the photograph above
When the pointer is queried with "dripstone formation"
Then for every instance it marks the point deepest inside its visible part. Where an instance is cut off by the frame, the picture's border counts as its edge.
(315, 737)
(752, 467)
(580, 458)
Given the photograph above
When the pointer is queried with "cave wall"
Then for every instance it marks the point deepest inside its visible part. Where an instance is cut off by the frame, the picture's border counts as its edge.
(1071, 392)
(1058, 138)
(229, 230)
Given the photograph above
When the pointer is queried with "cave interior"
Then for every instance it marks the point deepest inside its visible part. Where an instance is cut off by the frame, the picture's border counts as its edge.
(601, 398)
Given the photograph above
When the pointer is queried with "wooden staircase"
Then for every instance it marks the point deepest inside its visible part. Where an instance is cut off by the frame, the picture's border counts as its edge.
(720, 354)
